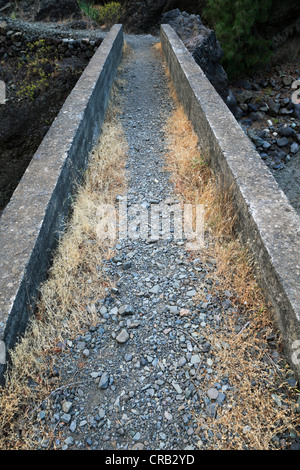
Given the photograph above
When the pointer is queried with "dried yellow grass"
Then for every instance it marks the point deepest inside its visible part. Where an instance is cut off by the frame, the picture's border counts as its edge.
(251, 418)
(64, 308)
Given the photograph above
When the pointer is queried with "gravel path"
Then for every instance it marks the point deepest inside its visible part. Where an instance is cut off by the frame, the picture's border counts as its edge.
(142, 393)
(141, 386)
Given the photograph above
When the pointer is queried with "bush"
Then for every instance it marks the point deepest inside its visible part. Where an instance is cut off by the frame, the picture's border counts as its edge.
(110, 13)
(89, 9)
(38, 65)
(236, 27)
(107, 14)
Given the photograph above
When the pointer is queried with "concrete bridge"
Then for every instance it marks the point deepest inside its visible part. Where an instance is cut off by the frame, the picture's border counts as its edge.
(30, 224)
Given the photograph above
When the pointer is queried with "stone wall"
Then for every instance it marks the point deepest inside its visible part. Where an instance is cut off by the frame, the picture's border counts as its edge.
(40, 65)
(14, 42)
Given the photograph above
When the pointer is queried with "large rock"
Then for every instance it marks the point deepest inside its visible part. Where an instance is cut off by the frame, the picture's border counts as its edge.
(56, 10)
(142, 16)
(207, 53)
(201, 42)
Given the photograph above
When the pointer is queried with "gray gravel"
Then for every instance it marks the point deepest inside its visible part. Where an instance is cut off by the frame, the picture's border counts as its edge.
(141, 387)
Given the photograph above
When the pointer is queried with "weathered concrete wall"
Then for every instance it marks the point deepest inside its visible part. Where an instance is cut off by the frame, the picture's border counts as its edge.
(31, 222)
(266, 222)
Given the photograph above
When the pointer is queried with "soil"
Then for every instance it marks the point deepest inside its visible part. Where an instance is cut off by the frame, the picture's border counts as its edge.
(25, 121)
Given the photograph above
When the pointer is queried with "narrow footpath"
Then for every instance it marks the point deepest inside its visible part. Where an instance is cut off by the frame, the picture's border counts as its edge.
(147, 398)
(148, 361)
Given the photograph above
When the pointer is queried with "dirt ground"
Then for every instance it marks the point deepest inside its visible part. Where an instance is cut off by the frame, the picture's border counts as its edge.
(24, 120)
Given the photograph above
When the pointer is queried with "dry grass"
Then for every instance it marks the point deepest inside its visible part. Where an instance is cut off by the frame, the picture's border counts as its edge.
(251, 417)
(193, 177)
(258, 411)
(75, 278)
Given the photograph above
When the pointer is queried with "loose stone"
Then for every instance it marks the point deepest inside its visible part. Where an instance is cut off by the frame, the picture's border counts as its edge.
(212, 393)
(123, 337)
(104, 381)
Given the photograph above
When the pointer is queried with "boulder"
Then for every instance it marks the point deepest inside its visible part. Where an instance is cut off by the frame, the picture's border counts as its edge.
(142, 16)
(202, 43)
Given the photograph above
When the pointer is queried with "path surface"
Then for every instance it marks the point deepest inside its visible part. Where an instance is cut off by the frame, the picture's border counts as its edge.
(147, 392)
(150, 396)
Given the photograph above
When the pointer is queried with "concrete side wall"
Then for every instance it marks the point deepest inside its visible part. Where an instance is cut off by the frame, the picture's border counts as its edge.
(266, 222)
(32, 221)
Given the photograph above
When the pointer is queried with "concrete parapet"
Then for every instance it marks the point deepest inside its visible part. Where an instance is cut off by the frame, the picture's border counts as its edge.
(35, 216)
(266, 222)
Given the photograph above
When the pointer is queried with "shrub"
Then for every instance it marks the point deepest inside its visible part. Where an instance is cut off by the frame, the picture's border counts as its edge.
(236, 27)
(89, 9)
(110, 13)
(36, 67)
(107, 14)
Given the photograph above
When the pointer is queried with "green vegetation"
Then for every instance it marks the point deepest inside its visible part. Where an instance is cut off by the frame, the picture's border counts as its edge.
(89, 9)
(110, 13)
(37, 67)
(236, 27)
(107, 14)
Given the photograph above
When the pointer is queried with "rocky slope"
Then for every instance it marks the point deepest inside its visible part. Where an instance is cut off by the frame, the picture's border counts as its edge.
(271, 119)
(40, 65)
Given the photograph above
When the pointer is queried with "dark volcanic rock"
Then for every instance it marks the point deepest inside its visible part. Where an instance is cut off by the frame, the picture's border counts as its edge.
(6, 6)
(55, 10)
(24, 122)
(202, 43)
(208, 53)
(142, 16)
